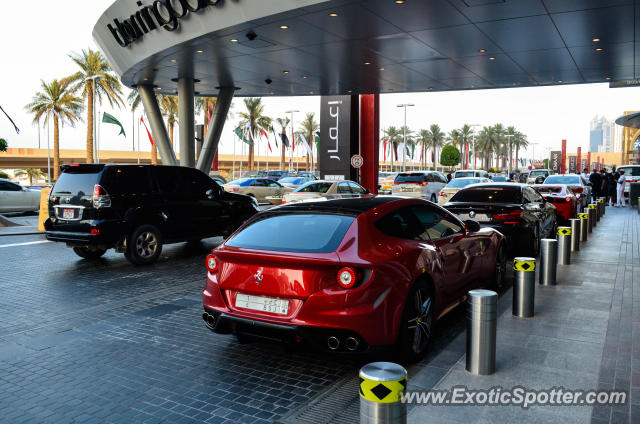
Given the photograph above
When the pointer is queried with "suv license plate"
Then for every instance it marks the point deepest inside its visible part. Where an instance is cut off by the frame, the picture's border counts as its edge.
(262, 303)
(68, 214)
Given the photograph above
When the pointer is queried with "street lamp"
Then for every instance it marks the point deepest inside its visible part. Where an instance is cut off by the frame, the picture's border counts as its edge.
(404, 137)
(473, 143)
(93, 107)
(292, 138)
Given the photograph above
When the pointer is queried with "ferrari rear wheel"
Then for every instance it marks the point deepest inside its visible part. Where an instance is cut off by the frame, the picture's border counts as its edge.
(417, 322)
(500, 269)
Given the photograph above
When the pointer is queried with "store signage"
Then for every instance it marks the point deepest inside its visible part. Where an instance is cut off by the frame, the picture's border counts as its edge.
(160, 14)
(583, 164)
(554, 161)
(573, 164)
(338, 141)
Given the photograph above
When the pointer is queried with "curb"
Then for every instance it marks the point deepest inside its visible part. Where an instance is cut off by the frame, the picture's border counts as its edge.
(32, 233)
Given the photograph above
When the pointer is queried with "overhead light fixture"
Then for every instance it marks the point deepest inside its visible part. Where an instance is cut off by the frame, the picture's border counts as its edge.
(199, 51)
(595, 40)
(492, 58)
(367, 63)
(173, 61)
(430, 88)
(399, 1)
(333, 15)
(311, 92)
(473, 86)
(599, 49)
(381, 69)
(482, 51)
(159, 88)
(146, 79)
(608, 78)
(284, 27)
(285, 72)
(560, 81)
(234, 40)
(305, 77)
(349, 91)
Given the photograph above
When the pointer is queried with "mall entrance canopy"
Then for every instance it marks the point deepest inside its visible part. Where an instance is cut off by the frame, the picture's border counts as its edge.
(345, 47)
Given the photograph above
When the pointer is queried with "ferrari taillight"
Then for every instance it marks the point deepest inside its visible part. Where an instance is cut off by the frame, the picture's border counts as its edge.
(212, 263)
(347, 277)
(567, 199)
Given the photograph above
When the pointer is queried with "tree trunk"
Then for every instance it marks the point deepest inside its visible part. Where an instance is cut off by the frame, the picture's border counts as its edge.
(517, 163)
(307, 165)
(282, 158)
(89, 121)
(154, 154)
(251, 158)
(56, 148)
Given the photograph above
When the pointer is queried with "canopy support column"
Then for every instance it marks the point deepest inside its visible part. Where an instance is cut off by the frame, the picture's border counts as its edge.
(160, 134)
(214, 131)
(186, 121)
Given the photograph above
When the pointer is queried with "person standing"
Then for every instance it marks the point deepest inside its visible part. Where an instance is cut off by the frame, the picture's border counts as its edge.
(596, 184)
(613, 186)
(621, 181)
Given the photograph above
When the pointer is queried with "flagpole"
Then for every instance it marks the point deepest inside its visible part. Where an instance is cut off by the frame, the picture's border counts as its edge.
(48, 156)
(139, 141)
(133, 127)
(233, 169)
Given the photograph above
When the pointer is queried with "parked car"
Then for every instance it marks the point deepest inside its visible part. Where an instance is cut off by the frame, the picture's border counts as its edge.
(274, 175)
(294, 182)
(631, 175)
(516, 210)
(385, 182)
(424, 184)
(465, 173)
(455, 185)
(349, 275)
(258, 188)
(537, 176)
(325, 189)
(578, 185)
(307, 174)
(15, 198)
(218, 178)
(500, 179)
(136, 209)
(566, 201)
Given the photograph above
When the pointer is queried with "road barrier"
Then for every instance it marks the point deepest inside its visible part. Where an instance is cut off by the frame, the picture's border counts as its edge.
(382, 385)
(564, 245)
(584, 226)
(548, 262)
(600, 203)
(524, 286)
(593, 216)
(575, 234)
(43, 214)
(482, 318)
(603, 205)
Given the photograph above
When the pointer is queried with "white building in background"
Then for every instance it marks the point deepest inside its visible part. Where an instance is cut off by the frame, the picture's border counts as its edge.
(605, 135)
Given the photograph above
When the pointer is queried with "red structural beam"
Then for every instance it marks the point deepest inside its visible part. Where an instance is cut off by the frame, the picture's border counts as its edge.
(370, 141)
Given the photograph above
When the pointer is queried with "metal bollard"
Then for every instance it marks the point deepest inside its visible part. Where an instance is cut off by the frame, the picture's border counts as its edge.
(575, 234)
(600, 203)
(381, 386)
(524, 287)
(584, 226)
(603, 200)
(593, 216)
(482, 318)
(597, 210)
(564, 245)
(548, 262)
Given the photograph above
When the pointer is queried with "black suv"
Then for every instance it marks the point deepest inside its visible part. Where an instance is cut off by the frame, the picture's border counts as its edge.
(138, 208)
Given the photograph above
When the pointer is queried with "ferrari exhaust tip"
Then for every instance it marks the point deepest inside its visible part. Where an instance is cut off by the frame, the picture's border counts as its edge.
(351, 343)
(333, 343)
(209, 319)
(204, 317)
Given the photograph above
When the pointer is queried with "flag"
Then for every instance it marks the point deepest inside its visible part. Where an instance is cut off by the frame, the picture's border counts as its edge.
(264, 134)
(285, 140)
(395, 150)
(145, 127)
(413, 150)
(238, 131)
(317, 139)
(110, 119)
(305, 144)
(275, 137)
(248, 128)
(293, 140)
(384, 150)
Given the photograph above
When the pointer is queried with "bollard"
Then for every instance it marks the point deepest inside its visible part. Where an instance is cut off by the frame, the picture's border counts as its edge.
(548, 262)
(584, 226)
(482, 316)
(575, 234)
(524, 287)
(381, 386)
(600, 203)
(593, 216)
(603, 200)
(564, 245)
(597, 205)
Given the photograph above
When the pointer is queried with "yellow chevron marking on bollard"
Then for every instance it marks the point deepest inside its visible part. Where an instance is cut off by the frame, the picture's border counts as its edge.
(524, 265)
(564, 231)
(382, 391)
(583, 215)
(592, 206)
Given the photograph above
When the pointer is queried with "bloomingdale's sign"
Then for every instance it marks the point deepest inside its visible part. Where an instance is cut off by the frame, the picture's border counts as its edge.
(162, 13)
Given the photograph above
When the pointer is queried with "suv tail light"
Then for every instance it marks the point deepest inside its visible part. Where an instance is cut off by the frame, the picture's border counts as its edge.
(347, 277)
(516, 214)
(212, 263)
(101, 198)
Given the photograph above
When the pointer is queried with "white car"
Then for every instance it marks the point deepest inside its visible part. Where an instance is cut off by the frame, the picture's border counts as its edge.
(423, 184)
(467, 173)
(455, 185)
(315, 190)
(631, 175)
(15, 198)
(537, 173)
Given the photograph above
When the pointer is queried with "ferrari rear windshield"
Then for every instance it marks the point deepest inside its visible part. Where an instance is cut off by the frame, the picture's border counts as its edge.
(302, 233)
(489, 195)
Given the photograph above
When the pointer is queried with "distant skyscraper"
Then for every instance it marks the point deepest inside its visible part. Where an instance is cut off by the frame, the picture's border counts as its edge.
(601, 135)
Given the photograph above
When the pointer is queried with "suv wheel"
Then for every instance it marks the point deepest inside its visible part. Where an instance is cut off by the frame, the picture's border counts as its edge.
(87, 253)
(144, 245)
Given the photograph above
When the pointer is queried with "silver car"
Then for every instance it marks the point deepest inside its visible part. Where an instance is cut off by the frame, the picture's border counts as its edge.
(15, 198)
(423, 184)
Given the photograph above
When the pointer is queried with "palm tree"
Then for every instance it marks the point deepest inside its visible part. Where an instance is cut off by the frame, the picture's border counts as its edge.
(57, 100)
(488, 143)
(255, 120)
(169, 108)
(309, 127)
(500, 147)
(393, 135)
(29, 172)
(466, 132)
(135, 101)
(436, 139)
(519, 142)
(283, 123)
(423, 139)
(96, 79)
(455, 138)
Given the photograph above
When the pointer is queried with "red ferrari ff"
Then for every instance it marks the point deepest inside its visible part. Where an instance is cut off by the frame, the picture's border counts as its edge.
(562, 197)
(349, 275)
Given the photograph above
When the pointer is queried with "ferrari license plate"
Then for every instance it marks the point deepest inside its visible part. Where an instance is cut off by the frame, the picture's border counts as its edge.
(68, 214)
(479, 217)
(406, 189)
(262, 303)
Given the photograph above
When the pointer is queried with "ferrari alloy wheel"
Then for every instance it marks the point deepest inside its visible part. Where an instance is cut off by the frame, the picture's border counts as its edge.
(500, 269)
(417, 322)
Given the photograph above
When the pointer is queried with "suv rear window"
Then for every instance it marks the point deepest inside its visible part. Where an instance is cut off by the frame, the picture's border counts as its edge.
(563, 179)
(303, 233)
(489, 195)
(78, 182)
(410, 178)
(630, 171)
